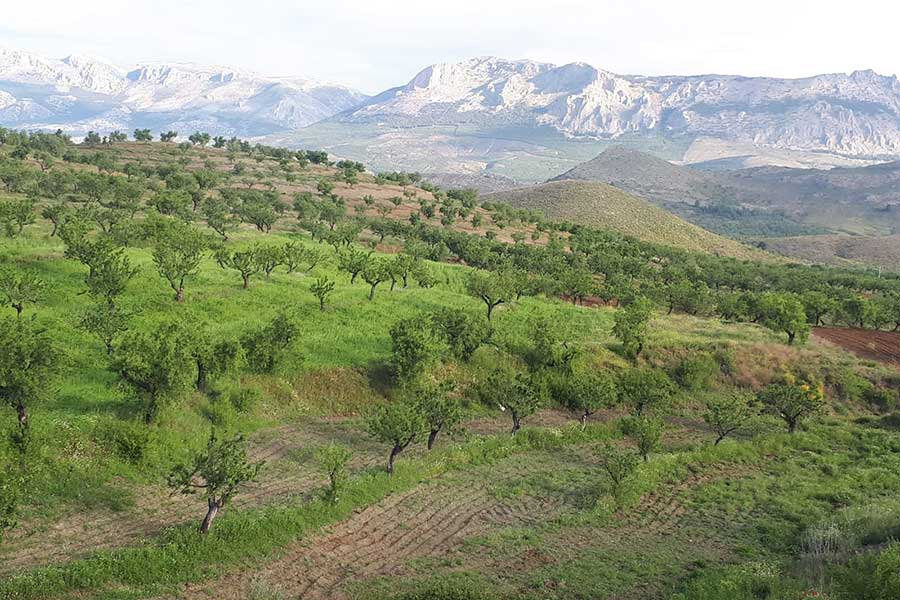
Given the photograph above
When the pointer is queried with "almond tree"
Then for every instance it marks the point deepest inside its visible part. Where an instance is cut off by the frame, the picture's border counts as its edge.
(786, 313)
(793, 401)
(321, 289)
(28, 362)
(586, 393)
(646, 432)
(375, 271)
(106, 321)
(353, 261)
(212, 357)
(218, 472)
(442, 412)
(219, 217)
(11, 484)
(729, 413)
(110, 272)
(491, 288)
(397, 424)
(333, 460)
(631, 326)
(156, 365)
(269, 258)
(15, 214)
(177, 255)
(17, 289)
(244, 262)
(510, 391)
(618, 465)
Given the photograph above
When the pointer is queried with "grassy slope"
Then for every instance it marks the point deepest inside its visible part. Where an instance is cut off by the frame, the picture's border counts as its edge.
(841, 250)
(337, 368)
(602, 205)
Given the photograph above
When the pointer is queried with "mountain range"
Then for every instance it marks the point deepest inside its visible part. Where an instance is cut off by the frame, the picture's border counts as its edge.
(78, 93)
(856, 114)
(519, 119)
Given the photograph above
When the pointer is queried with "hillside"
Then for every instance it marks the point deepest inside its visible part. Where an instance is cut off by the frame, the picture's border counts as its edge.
(605, 206)
(647, 176)
(252, 373)
(842, 216)
(841, 250)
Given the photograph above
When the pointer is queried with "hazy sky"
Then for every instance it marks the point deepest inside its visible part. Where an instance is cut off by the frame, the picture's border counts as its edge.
(373, 45)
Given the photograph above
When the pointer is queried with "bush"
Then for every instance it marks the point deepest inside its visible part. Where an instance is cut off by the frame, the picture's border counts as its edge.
(266, 347)
(883, 400)
(872, 576)
(244, 399)
(128, 440)
(220, 414)
(848, 385)
(697, 372)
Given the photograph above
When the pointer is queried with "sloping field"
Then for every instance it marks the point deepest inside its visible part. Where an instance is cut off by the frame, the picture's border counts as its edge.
(605, 206)
(841, 250)
(883, 346)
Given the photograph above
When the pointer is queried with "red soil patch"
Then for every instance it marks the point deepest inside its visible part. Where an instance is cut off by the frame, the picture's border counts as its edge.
(883, 346)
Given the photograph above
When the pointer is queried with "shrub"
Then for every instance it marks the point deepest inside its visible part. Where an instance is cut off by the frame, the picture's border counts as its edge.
(645, 388)
(266, 347)
(793, 401)
(333, 460)
(244, 399)
(414, 347)
(697, 372)
(127, 440)
(872, 576)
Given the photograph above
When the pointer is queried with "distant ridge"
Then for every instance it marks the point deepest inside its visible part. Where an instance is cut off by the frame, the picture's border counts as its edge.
(78, 93)
(647, 176)
(602, 205)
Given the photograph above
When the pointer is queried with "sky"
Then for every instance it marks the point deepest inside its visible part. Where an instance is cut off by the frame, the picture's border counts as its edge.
(373, 45)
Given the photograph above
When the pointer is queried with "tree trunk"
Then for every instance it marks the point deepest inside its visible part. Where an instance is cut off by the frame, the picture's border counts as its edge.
(246, 279)
(179, 294)
(517, 423)
(19, 308)
(214, 506)
(394, 452)
(792, 425)
(201, 377)
(719, 439)
(791, 336)
(353, 278)
(22, 413)
(372, 292)
(584, 419)
(432, 436)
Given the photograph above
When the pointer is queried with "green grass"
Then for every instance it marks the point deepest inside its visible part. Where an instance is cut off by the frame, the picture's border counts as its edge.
(771, 490)
(180, 555)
